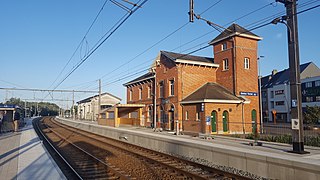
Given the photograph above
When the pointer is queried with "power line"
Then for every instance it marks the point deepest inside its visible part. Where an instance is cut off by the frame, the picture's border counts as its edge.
(146, 50)
(158, 42)
(124, 19)
(253, 28)
(44, 90)
(81, 42)
(308, 9)
(210, 7)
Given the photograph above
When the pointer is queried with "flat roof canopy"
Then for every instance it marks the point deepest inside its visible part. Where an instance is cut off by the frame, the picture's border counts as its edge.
(124, 108)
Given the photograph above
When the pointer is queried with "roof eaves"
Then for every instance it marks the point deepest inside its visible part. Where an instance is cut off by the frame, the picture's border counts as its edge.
(196, 63)
(140, 80)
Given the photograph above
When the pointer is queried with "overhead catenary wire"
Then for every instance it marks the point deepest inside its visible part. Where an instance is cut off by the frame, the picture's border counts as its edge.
(185, 24)
(81, 42)
(255, 27)
(102, 40)
(158, 42)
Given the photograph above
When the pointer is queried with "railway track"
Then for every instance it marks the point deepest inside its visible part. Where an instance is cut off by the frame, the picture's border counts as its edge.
(96, 157)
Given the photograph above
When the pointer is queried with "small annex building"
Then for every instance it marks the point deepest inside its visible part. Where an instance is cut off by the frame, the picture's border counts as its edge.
(122, 114)
(203, 94)
(214, 101)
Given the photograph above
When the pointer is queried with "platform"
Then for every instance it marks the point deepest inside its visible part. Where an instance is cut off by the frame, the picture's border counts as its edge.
(22, 156)
(271, 160)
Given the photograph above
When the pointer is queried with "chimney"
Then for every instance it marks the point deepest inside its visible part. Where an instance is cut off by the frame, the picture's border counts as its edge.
(274, 72)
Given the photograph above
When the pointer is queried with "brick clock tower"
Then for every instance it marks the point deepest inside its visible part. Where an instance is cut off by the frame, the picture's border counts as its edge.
(235, 50)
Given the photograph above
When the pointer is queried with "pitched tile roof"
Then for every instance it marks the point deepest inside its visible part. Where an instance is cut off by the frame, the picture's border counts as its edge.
(147, 76)
(102, 94)
(211, 92)
(234, 30)
(280, 77)
(174, 56)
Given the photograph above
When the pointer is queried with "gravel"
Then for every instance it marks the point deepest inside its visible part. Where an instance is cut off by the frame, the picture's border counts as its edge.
(223, 168)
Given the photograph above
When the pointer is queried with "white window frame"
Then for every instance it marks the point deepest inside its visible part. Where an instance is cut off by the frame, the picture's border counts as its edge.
(149, 92)
(225, 64)
(246, 63)
(308, 84)
(161, 89)
(140, 93)
(224, 46)
(309, 99)
(171, 87)
(317, 83)
(197, 116)
(130, 94)
(187, 116)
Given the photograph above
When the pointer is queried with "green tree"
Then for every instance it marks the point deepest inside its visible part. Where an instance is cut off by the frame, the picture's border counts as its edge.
(45, 108)
(312, 115)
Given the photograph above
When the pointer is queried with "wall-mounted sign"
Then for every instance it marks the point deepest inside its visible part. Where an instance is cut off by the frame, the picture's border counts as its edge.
(295, 124)
(293, 103)
(248, 93)
(208, 120)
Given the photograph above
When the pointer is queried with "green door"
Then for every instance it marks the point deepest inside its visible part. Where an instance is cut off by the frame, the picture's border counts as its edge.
(225, 121)
(213, 121)
(254, 121)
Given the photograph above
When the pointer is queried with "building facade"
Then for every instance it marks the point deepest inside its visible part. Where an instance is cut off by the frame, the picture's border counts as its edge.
(202, 94)
(88, 108)
(275, 89)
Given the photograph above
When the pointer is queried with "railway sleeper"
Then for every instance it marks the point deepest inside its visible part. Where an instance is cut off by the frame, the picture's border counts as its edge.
(94, 169)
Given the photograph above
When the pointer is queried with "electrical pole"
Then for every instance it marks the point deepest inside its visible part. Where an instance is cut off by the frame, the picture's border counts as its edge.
(25, 108)
(73, 113)
(99, 100)
(154, 99)
(191, 10)
(294, 69)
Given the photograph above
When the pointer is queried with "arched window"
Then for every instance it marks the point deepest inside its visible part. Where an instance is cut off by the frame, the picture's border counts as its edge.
(225, 121)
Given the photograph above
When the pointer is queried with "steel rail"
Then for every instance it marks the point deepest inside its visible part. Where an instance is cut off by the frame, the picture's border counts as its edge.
(52, 146)
(117, 173)
(210, 170)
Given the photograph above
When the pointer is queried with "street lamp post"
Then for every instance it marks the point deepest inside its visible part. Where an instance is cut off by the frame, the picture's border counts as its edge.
(260, 98)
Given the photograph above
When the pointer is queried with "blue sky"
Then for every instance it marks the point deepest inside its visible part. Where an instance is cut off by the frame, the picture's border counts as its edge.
(37, 39)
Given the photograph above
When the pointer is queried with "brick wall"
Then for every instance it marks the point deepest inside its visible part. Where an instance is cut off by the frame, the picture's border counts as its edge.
(237, 122)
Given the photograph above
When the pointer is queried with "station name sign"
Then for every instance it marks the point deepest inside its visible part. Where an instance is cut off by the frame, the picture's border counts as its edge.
(248, 93)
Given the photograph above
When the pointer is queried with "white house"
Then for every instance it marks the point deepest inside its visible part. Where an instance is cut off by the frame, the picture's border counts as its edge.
(88, 108)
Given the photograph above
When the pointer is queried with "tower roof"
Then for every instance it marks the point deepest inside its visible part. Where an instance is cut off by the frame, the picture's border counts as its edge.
(234, 30)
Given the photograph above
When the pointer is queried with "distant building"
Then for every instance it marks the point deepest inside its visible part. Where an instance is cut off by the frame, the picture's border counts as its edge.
(88, 108)
(275, 92)
(203, 94)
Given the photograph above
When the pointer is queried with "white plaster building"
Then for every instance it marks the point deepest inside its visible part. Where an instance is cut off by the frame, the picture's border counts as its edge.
(88, 108)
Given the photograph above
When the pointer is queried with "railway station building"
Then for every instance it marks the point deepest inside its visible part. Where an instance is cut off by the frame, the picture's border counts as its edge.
(203, 94)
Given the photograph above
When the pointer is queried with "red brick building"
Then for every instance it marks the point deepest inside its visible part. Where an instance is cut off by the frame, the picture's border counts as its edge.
(205, 95)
